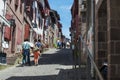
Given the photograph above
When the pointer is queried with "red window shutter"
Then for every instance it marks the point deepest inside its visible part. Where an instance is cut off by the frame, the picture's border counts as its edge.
(7, 33)
(20, 6)
(27, 31)
(7, 29)
(8, 16)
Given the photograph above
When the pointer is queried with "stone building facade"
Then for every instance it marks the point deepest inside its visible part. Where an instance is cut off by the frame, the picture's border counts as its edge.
(102, 22)
(14, 14)
(30, 19)
(107, 38)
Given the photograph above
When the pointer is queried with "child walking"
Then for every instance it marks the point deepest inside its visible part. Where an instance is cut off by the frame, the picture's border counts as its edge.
(36, 53)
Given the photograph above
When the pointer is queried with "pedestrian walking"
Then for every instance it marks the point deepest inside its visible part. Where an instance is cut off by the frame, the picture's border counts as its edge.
(73, 51)
(39, 45)
(59, 44)
(36, 53)
(74, 56)
(26, 52)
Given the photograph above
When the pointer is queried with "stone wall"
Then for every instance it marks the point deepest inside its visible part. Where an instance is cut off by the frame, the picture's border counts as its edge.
(101, 35)
(113, 39)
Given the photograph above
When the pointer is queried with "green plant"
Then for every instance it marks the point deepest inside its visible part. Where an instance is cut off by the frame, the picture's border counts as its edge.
(4, 66)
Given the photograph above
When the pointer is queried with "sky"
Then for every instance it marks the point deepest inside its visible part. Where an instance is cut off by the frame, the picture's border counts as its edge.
(63, 7)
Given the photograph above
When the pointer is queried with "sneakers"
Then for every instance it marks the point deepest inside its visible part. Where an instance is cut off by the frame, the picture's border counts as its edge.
(36, 64)
(29, 64)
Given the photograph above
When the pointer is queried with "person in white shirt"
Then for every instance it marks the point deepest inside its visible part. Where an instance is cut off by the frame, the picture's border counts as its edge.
(26, 52)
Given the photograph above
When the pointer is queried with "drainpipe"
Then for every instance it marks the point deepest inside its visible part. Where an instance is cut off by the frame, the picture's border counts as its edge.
(93, 30)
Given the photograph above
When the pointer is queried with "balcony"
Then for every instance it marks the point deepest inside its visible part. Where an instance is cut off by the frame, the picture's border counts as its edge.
(83, 8)
(83, 5)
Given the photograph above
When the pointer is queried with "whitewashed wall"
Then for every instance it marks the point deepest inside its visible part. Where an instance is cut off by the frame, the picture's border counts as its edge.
(1, 7)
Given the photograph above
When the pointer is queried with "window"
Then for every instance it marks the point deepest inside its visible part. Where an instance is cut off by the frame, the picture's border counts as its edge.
(16, 4)
(10, 1)
(21, 6)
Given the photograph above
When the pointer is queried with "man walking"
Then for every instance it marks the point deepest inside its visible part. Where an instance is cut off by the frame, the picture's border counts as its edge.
(26, 52)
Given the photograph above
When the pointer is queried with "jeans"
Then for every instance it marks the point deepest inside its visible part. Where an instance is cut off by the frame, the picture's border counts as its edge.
(26, 56)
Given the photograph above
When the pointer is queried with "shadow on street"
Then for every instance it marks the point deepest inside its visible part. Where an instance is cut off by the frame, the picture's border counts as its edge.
(67, 74)
(62, 57)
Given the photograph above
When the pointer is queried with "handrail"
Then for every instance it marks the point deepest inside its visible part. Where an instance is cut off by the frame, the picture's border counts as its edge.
(91, 58)
(5, 20)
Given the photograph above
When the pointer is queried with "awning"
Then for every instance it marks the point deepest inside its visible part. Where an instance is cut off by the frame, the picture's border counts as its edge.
(3, 19)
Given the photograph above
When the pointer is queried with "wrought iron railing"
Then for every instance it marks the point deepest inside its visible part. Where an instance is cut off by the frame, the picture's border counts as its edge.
(90, 60)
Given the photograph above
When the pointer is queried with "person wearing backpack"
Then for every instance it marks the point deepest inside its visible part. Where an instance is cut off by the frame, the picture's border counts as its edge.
(39, 45)
(26, 52)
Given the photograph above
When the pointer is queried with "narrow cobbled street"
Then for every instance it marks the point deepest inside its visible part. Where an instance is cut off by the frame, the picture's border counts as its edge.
(54, 64)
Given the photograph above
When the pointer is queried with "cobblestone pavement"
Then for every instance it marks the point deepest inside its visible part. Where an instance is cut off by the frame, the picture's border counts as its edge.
(54, 64)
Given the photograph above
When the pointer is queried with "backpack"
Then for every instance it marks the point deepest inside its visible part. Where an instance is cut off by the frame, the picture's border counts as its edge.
(38, 44)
